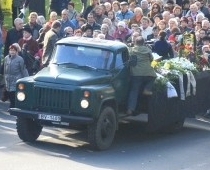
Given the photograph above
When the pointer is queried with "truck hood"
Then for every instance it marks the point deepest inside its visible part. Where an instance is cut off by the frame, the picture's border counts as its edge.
(72, 76)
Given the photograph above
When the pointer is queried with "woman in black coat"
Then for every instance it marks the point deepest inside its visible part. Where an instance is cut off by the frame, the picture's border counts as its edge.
(162, 47)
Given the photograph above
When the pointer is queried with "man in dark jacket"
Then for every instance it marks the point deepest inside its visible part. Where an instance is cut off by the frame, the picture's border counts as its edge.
(91, 21)
(65, 22)
(13, 35)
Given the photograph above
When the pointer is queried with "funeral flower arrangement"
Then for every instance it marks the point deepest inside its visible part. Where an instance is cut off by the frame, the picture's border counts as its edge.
(172, 69)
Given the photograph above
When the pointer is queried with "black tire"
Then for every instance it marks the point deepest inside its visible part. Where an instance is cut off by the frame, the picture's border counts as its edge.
(164, 115)
(101, 133)
(28, 129)
(176, 126)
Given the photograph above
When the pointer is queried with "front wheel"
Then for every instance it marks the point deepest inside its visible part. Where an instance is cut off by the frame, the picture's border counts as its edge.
(28, 129)
(101, 133)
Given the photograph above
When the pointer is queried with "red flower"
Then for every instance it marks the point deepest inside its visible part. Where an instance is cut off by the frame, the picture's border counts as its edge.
(188, 47)
(203, 61)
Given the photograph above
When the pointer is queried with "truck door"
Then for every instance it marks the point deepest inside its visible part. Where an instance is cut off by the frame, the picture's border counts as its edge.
(121, 78)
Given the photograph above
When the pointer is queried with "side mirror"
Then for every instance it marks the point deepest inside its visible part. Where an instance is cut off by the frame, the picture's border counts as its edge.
(133, 61)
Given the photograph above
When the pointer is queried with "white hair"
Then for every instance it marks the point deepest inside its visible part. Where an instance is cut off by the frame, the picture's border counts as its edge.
(18, 20)
(166, 13)
(108, 21)
(204, 21)
(105, 25)
(53, 13)
(144, 1)
(41, 20)
(67, 28)
(174, 20)
(199, 17)
(101, 36)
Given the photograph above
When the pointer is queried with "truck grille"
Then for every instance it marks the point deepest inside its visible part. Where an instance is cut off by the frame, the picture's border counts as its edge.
(52, 98)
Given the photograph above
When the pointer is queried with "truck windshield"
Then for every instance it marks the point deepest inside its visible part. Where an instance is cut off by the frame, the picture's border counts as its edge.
(84, 56)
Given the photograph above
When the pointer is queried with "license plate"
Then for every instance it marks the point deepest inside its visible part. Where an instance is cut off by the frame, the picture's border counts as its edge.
(49, 117)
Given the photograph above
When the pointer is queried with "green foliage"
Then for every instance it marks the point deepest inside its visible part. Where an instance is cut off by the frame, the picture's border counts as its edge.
(160, 84)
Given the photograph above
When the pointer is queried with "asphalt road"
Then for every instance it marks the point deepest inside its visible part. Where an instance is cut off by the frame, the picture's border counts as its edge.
(133, 148)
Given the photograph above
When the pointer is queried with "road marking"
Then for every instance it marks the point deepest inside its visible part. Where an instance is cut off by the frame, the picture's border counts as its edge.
(3, 147)
(5, 127)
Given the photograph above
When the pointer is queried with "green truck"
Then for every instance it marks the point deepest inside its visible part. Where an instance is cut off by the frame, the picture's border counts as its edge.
(87, 84)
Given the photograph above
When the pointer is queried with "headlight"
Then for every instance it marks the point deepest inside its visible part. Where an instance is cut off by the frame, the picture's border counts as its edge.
(21, 96)
(84, 103)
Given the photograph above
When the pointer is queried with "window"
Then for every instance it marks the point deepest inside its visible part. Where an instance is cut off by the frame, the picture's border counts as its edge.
(119, 61)
(81, 55)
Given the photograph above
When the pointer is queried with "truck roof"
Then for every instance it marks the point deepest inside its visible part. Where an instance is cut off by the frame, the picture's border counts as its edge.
(93, 42)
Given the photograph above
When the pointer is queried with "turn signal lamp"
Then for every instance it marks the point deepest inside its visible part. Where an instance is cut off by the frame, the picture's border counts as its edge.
(86, 94)
(21, 86)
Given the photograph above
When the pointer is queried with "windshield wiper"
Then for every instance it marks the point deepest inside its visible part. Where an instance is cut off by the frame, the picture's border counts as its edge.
(88, 67)
(67, 63)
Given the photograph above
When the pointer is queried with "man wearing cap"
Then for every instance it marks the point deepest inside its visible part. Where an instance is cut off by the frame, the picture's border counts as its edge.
(124, 13)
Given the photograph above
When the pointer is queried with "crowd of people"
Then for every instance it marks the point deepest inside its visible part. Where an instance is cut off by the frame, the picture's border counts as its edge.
(116, 20)
(159, 21)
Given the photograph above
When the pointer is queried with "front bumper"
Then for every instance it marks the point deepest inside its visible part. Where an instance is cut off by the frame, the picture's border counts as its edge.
(64, 118)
